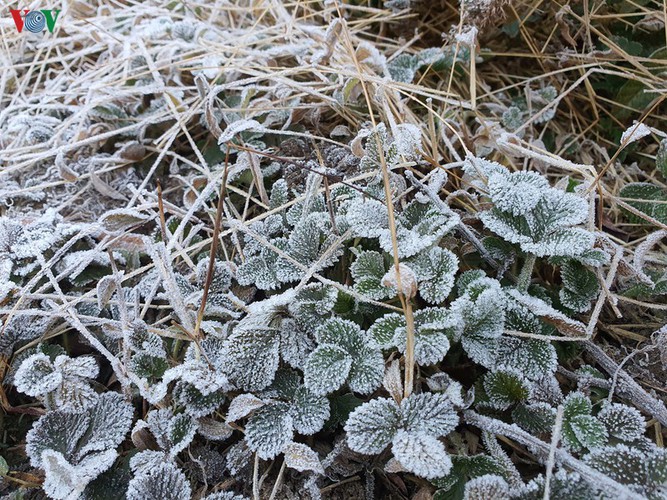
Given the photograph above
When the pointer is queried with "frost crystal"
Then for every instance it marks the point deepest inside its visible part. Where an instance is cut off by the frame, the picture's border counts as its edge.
(411, 427)
(163, 482)
(343, 355)
(63, 383)
(74, 448)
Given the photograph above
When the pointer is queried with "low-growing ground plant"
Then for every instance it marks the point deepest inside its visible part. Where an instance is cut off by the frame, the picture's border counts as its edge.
(277, 251)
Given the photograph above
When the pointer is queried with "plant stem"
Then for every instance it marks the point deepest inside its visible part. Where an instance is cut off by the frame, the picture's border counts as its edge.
(409, 348)
(526, 272)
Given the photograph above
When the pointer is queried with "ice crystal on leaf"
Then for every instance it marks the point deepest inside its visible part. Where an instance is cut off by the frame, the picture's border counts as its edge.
(412, 428)
(419, 226)
(367, 270)
(343, 355)
(580, 428)
(435, 327)
(530, 213)
(622, 421)
(74, 448)
(436, 269)
(290, 407)
(63, 383)
(162, 482)
(487, 487)
(172, 433)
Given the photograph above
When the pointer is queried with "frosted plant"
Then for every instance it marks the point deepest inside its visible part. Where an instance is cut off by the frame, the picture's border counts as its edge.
(276, 414)
(482, 307)
(435, 269)
(418, 227)
(62, 383)
(74, 448)
(622, 422)
(172, 433)
(22, 241)
(580, 428)
(505, 388)
(435, 329)
(367, 270)
(644, 469)
(202, 377)
(162, 481)
(412, 428)
(530, 213)
(21, 328)
(487, 487)
(343, 355)
(580, 286)
(563, 485)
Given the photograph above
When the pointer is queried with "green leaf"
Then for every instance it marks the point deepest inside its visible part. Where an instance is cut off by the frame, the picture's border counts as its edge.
(589, 431)
(505, 388)
(269, 430)
(373, 425)
(341, 407)
(532, 358)
(580, 286)
(435, 271)
(367, 270)
(537, 418)
(4, 468)
(647, 198)
(327, 369)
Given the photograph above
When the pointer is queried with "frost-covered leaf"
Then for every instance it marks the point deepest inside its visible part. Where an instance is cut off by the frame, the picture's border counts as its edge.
(269, 430)
(588, 430)
(313, 303)
(435, 270)
(37, 375)
(429, 413)
(367, 217)
(412, 428)
(194, 402)
(302, 458)
(635, 132)
(580, 428)
(434, 327)
(253, 356)
(372, 426)
(622, 421)
(343, 355)
(242, 405)
(421, 454)
(164, 482)
(65, 480)
(121, 219)
(537, 418)
(173, 433)
(418, 226)
(563, 323)
(73, 448)
(309, 411)
(505, 388)
(532, 358)
(647, 198)
(580, 286)
(327, 369)
(530, 213)
(63, 383)
(367, 270)
(487, 487)
(517, 193)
